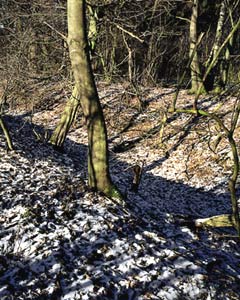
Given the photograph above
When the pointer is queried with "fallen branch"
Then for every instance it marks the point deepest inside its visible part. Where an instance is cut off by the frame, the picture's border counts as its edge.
(54, 29)
(225, 220)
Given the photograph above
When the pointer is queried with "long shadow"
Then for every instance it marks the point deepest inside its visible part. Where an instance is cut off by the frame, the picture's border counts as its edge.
(132, 122)
(89, 258)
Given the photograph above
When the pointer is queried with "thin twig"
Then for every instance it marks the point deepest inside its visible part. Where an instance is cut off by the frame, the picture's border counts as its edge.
(54, 29)
(128, 32)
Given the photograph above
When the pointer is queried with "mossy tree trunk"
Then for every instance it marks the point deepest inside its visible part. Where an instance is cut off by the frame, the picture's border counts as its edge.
(59, 135)
(6, 133)
(196, 79)
(98, 165)
(3, 126)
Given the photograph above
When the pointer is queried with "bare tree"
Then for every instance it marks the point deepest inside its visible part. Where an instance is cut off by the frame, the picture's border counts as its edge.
(98, 164)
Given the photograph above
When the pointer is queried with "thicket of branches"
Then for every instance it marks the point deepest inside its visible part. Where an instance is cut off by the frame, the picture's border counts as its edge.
(30, 49)
(141, 41)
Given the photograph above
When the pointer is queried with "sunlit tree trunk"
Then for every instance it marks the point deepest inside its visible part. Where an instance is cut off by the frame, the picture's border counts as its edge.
(193, 54)
(98, 166)
(225, 66)
(6, 133)
(92, 28)
(59, 135)
(215, 76)
(3, 126)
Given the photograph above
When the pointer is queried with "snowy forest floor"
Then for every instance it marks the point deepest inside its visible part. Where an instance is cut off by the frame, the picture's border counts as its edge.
(59, 240)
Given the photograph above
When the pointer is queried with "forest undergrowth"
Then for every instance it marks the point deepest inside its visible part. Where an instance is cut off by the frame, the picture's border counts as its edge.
(59, 240)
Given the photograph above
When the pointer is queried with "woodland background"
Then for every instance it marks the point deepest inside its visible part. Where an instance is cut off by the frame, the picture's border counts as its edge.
(143, 42)
(168, 81)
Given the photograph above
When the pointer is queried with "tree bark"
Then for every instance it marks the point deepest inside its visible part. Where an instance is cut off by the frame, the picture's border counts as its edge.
(98, 166)
(225, 65)
(6, 133)
(193, 54)
(59, 135)
(215, 73)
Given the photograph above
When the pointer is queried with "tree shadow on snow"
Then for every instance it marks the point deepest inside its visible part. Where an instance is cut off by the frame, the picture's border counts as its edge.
(137, 252)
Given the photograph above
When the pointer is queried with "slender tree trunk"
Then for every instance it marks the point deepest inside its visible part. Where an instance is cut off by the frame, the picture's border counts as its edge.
(6, 133)
(195, 68)
(92, 28)
(32, 56)
(59, 135)
(3, 126)
(225, 66)
(219, 31)
(98, 166)
(215, 76)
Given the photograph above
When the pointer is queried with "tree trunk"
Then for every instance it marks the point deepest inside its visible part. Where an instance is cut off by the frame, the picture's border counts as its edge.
(59, 135)
(6, 133)
(225, 65)
(193, 54)
(98, 166)
(3, 102)
(92, 28)
(215, 76)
